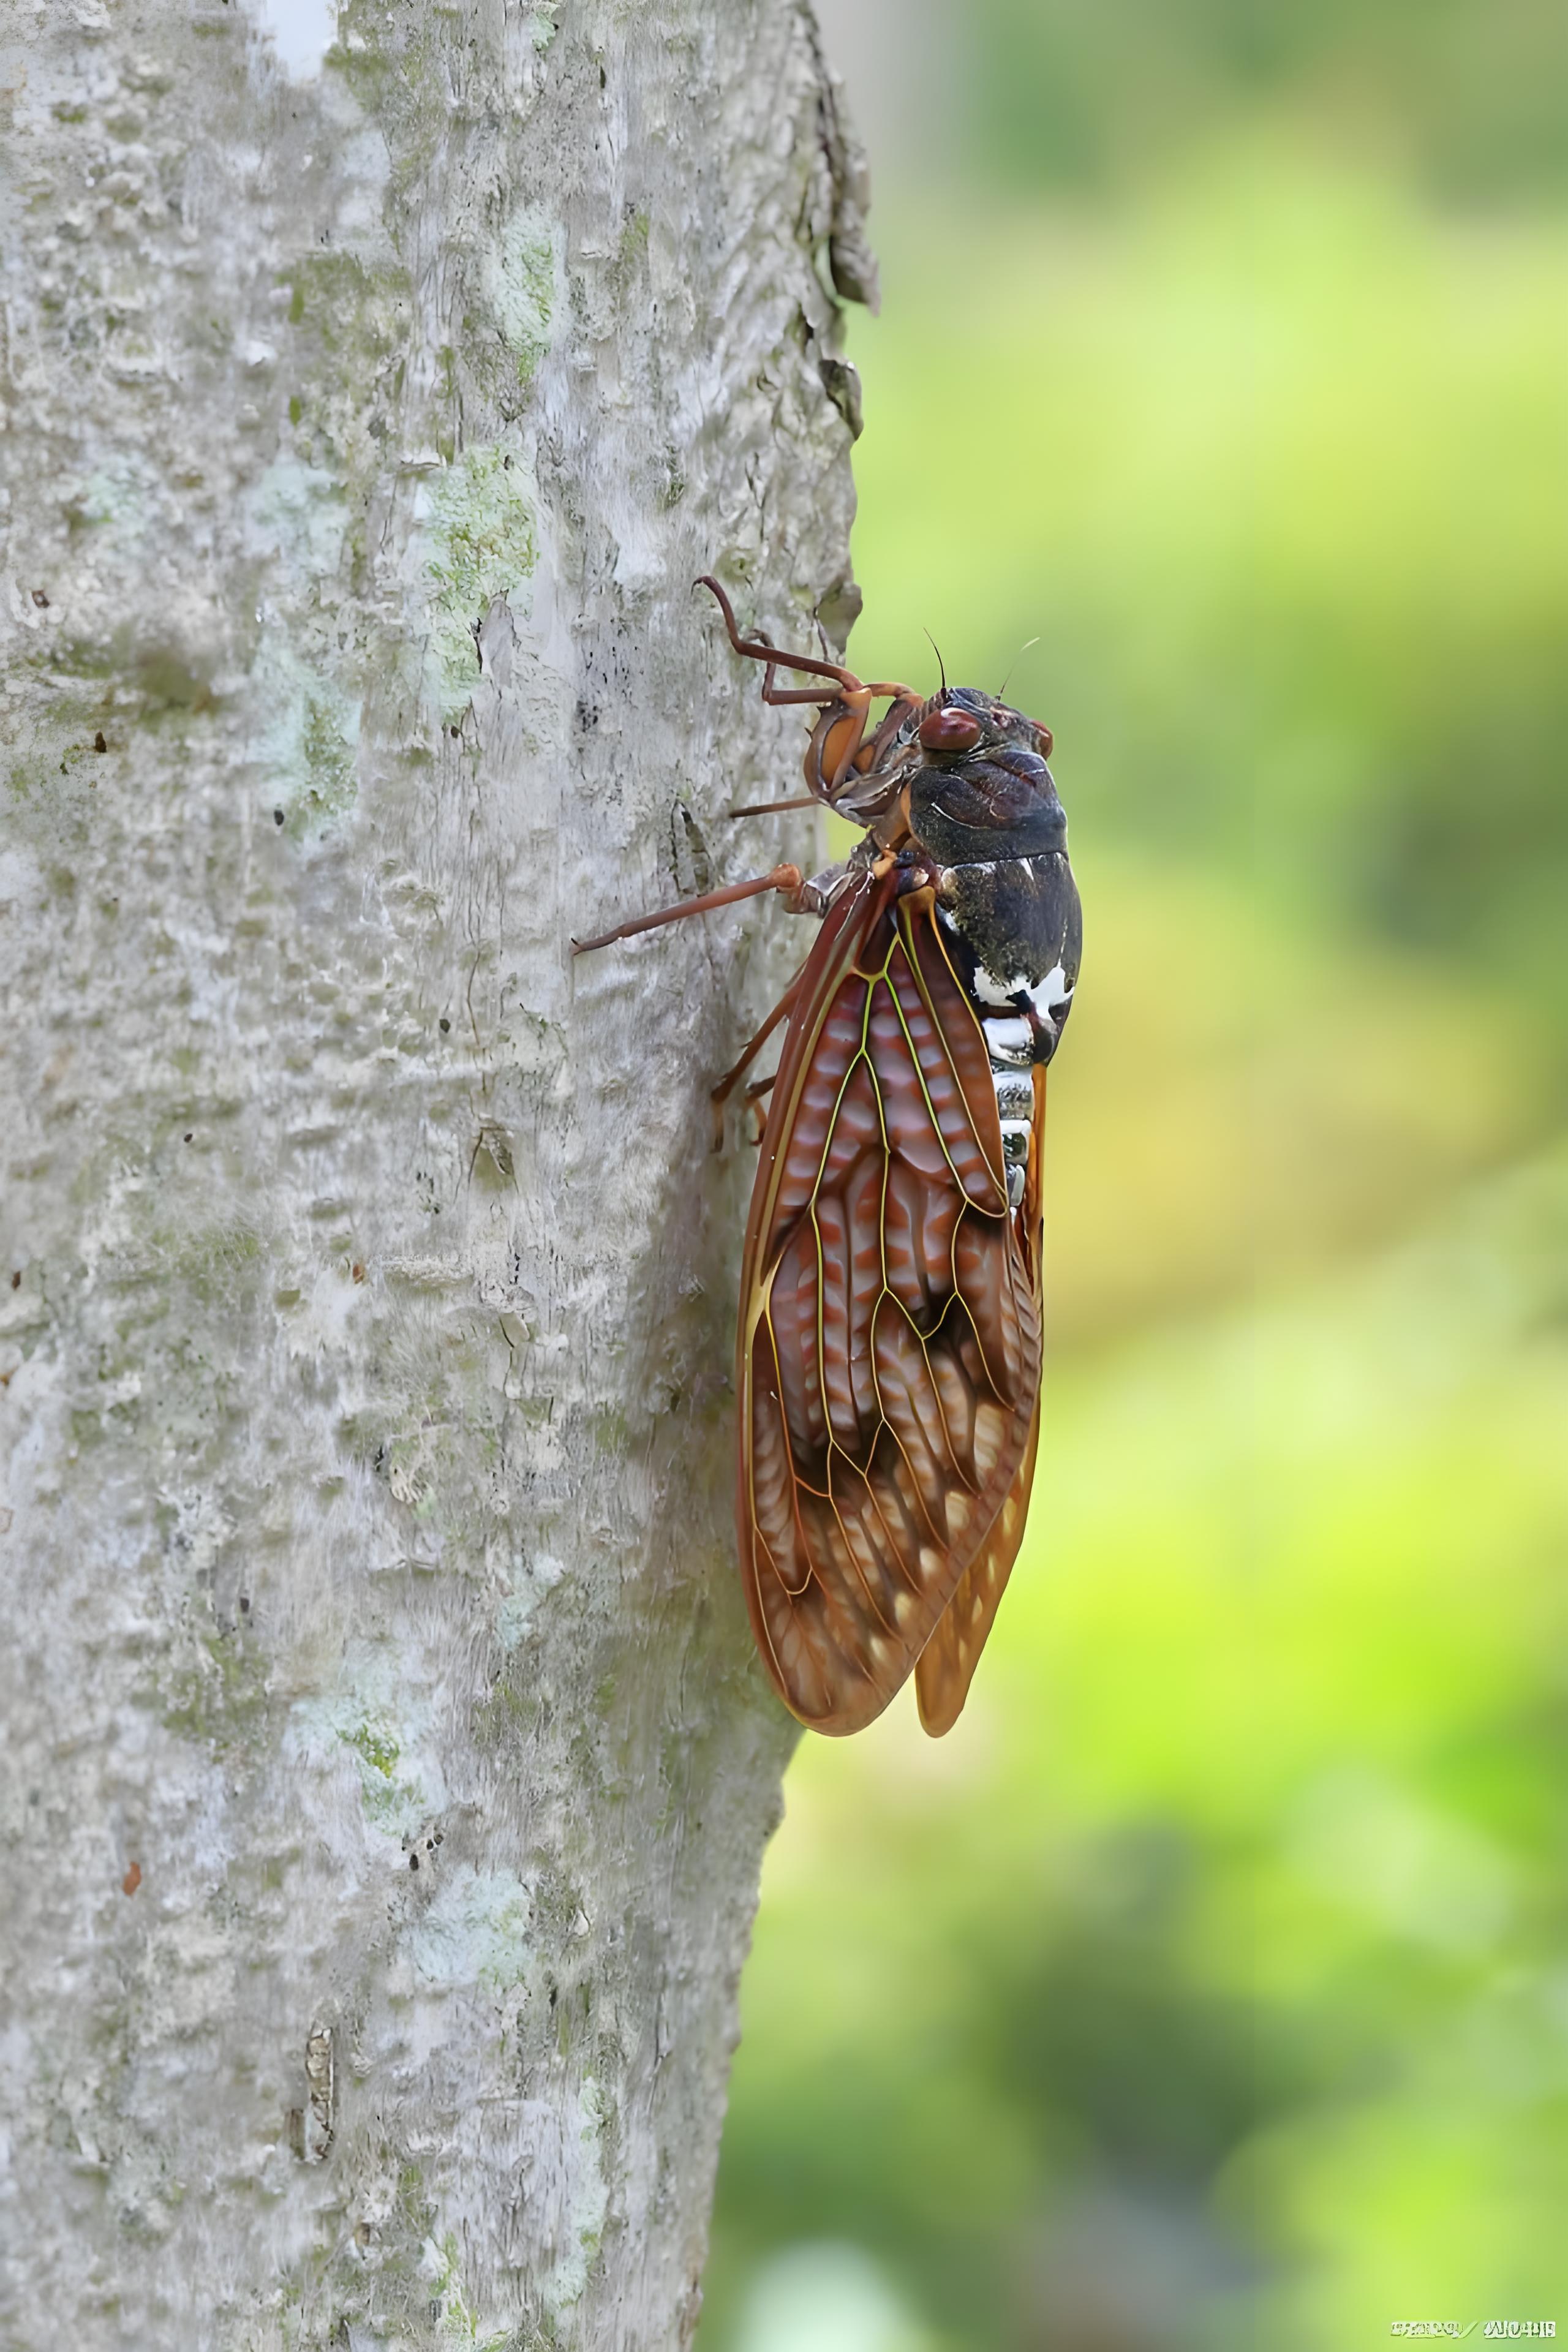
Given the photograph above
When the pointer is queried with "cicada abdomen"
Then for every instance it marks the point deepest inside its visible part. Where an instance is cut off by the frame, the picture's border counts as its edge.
(890, 1345)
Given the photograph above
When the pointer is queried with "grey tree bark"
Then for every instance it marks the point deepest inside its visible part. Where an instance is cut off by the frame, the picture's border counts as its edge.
(386, 1770)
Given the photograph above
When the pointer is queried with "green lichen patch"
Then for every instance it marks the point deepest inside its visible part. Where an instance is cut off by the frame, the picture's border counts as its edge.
(213, 1263)
(401, 70)
(377, 1746)
(393, 1798)
(347, 351)
(476, 1932)
(298, 512)
(383, 1727)
(458, 2320)
(120, 499)
(216, 1690)
(631, 253)
(520, 279)
(503, 1720)
(52, 794)
(483, 542)
(532, 1578)
(328, 731)
(590, 2204)
(308, 754)
(345, 301)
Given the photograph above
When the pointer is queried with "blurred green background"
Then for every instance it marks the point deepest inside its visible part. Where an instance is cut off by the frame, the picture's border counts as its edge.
(1209, 1986)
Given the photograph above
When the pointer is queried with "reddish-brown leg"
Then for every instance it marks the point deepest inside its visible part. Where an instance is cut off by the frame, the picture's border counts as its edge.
(848, 688)
(727, 1083)
(753, 1099)
(771, 808)
(758, 649)
(787, 879)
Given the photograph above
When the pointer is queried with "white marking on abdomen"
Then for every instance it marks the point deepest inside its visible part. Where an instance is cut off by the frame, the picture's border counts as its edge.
(992, 991)
(1015, 1158)
(1010, 1042)
(1045, 995)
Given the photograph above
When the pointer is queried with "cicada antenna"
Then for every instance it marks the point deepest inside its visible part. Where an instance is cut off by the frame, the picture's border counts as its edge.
(1013, 665)
(941, 666)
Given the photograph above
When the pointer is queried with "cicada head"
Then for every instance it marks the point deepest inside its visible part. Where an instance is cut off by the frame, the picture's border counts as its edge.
(979, 788)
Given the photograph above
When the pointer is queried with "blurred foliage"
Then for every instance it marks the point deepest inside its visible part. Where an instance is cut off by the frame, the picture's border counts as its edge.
(1279, 469)
(1228, 1927)
(1469, 96)
(1208, 1986)
(1244, 1100)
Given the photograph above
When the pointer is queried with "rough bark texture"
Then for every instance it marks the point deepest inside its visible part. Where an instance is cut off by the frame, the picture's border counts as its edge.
(386, 1770)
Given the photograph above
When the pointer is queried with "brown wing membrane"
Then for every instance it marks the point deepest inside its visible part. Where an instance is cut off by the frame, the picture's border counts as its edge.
(890, 1345)
(946, 1666)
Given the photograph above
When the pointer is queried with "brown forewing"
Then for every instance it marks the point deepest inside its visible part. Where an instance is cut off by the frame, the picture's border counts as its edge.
(890, 1343)
(945, 1667)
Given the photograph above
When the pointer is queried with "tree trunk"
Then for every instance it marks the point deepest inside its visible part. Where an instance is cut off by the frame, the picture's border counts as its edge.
(387, 1769)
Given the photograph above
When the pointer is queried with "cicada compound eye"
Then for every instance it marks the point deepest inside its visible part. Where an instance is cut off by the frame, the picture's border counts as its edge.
(950, 728)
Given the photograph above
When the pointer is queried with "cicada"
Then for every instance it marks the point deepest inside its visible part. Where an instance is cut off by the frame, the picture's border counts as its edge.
(888, 1354)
